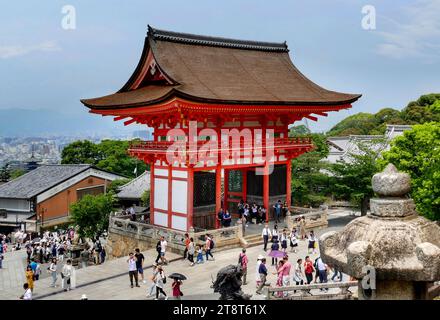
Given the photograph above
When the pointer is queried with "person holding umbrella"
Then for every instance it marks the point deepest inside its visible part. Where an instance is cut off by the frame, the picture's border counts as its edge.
(177, 293)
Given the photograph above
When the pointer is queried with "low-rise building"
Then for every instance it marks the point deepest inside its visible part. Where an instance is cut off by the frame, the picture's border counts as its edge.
(42, 197)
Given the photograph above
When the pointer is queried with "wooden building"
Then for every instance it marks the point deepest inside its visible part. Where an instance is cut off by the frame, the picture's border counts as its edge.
(217, 106)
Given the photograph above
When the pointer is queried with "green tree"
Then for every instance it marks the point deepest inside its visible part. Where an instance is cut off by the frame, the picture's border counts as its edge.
(352, 175)
(145, 198)
(80, 152)
(109, 155)
(91, 214)
(417, 152)
(5, 173)
(309, 183)
(300, 130)
(425, 109)
(116, 184)
(17, 173)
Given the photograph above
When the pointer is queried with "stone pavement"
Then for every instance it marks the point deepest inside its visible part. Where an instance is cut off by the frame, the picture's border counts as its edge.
(12, 273)
(110, 280)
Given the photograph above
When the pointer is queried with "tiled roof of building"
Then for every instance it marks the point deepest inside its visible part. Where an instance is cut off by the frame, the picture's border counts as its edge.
(218, 70)
(40, 180)
(136, 187)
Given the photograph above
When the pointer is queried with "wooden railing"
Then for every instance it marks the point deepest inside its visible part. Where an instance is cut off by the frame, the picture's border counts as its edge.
(305, 293)
(158, 147)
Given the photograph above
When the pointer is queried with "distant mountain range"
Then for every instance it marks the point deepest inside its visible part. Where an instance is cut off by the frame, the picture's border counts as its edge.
(23, 122)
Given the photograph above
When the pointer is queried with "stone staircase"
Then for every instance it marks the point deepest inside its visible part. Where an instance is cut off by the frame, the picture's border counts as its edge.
(253, 240)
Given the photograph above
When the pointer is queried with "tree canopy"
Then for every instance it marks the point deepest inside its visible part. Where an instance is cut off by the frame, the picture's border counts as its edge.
(352, 176)
(109, 155)
(424, 109)
(417, 152)
(91, 214)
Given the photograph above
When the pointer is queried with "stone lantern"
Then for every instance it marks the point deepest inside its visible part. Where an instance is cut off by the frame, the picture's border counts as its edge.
(400, 248)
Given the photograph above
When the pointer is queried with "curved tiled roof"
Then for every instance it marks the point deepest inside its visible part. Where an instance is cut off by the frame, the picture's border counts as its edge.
(219, 70)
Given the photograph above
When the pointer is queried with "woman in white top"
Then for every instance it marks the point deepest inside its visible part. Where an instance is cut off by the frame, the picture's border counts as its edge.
(293, 240)
(275, 233)
(53, 271)
(191, 250)
(298, 274)
(69, 276)
(159, 280)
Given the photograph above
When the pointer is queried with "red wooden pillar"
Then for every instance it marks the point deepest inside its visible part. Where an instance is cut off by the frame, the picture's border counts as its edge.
(152, 193)
(226, 187)
(266, 189)
(190, 199)
(288, 182)
(170, 195)
(244, 181)
(218, 194)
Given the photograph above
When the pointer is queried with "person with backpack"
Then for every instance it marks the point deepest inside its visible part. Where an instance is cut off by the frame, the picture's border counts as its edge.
(308, 269)
(209, 245)
(97, 250)
(243, 262)
(159, 280)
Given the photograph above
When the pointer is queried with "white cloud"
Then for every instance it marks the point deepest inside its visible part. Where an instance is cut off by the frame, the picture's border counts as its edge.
(20, 50)
(418, 36)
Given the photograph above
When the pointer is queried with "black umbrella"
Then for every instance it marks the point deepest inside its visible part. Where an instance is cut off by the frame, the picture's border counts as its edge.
(177, 276)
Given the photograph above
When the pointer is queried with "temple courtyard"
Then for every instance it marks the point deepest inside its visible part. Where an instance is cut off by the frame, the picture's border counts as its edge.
(110, 280)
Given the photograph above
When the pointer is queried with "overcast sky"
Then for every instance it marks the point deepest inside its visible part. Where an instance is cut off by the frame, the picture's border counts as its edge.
(43, 66)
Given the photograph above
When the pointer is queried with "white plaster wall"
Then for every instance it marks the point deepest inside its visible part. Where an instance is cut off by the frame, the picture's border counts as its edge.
(178, 223)
(161, 219)
(179, 196)
(180, 174)
(161, 194)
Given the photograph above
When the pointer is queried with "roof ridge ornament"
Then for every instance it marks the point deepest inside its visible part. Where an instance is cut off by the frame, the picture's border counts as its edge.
(189, 38)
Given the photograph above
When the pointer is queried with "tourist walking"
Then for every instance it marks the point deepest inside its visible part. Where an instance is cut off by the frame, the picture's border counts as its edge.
(191, 251)
(103, 254)
(175, 286)
(30, 277)
(132, 269)
(185, 252)
(257, 272)
(266, 234)
(243, 262)
(163, 249)
(209, 245)
(53, 272)
(322, 270)
(293, 240)
(68, 275)
(298, 274)
(140, 263)
(308, 269)
(312, 243)
(262, 271)
(302, 227)
(275, 252)
(279, 273)
(97, 247)
(275, 232)
(285, 273)
(85, 257)
(283, 240)
(336, 274)
(199, 251)
(152, 288)
(160, 280)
